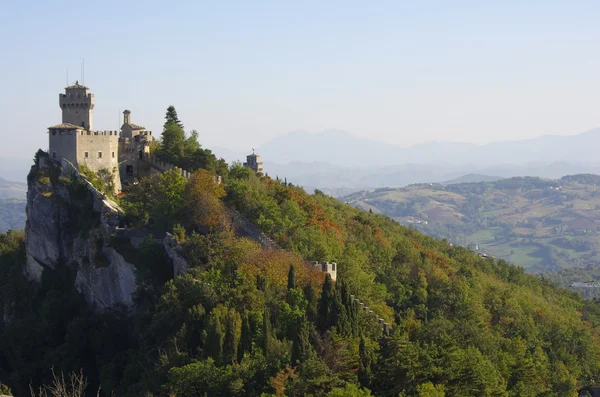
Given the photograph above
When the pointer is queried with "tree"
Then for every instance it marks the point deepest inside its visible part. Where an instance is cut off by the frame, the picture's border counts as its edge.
(74, 386)
(430, 390)
(301, 343)
(214, 341)
(291, 278)
(311, 302)
(328, 307)
(159, 197)
(202, 201)
(266, 333)
(191, 144)
(364, 364)
(172, 149)
(245, 338)
(230, 342)
(171, 118)
(350, 390)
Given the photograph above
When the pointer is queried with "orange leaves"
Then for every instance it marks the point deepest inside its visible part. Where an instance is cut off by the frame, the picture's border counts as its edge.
(275, 264)
(202, 200)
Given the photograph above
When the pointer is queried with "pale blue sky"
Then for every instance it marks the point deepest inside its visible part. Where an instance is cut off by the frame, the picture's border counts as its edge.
(241, 72)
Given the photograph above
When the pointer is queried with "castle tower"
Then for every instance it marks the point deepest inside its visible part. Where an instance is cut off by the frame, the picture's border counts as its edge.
(77, 104)
(253, 162)
(74, 139)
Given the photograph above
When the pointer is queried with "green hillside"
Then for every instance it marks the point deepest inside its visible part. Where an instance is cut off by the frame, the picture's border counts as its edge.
(249, 321)
(12, 214)
(543, 225)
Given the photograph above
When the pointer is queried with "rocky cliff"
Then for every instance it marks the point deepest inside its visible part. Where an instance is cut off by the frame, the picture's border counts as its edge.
(69, 226)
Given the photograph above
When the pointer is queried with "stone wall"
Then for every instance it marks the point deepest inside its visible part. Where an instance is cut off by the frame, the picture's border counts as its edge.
(63, 144)
(104, 142)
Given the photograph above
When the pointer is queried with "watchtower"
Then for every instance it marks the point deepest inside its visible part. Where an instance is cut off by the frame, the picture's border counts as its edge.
(77, 104)
(253, 162)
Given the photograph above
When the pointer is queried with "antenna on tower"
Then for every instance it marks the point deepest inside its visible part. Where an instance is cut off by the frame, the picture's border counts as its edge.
(83, 71)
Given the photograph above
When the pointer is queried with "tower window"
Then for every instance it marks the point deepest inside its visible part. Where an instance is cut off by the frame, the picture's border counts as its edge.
(86, 155)
(54, 154)
(113, 155)
(99, 155)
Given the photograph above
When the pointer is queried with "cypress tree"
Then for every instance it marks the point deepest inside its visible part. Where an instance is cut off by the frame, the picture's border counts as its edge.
(365, 362)
(301, 344)
(291, 278)
(214, 342)
(311, 299)
(328, 306)
(245, 338)
(266, 333)
(230, 346)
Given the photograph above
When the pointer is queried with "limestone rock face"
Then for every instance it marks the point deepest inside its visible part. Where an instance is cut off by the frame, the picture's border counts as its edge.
(69, 223)
(180, 265)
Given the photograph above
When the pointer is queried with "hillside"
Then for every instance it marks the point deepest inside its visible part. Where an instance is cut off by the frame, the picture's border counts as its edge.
(161, 292)
(12, 214)
(543, 225)
(12, 190)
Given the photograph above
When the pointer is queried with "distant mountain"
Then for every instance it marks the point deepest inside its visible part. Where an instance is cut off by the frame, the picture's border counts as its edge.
(472, 178)
(334, 147)
(12, 190)
(343, 149)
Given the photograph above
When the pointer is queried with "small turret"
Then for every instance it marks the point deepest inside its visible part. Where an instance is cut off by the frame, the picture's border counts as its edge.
(126, 114)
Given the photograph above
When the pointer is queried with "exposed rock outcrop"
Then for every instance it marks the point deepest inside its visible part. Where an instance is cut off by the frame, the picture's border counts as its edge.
(70, 223)
(180, 265)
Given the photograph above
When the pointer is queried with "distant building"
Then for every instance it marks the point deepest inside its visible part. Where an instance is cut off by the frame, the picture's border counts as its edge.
(253, 162)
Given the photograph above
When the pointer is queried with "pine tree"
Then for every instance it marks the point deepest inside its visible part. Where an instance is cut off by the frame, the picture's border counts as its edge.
(172, 118)
(291, 278)
(245, 338)
(230, 345)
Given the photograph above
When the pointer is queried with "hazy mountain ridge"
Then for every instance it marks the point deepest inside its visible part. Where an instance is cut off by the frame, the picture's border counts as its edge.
(338, 160)
(11, 189)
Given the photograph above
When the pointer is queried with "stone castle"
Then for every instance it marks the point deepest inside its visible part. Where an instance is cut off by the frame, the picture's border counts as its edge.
(76, 140)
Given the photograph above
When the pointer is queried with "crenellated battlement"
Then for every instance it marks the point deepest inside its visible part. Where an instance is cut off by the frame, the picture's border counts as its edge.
(326, 267)
(106, 133)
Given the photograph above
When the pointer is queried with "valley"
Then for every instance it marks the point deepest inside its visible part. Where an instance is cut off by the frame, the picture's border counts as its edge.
(541, 224)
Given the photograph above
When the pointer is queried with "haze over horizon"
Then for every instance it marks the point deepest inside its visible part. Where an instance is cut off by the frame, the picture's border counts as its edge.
(242, 74)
